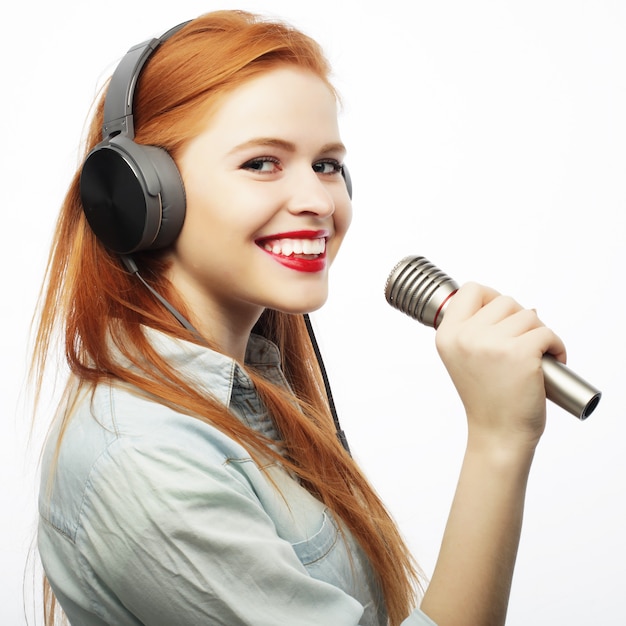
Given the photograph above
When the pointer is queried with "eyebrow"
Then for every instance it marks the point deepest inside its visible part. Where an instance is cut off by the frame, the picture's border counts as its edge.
(272, 142)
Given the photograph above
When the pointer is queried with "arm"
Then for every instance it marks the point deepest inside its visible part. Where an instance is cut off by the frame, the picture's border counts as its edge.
(492, 349)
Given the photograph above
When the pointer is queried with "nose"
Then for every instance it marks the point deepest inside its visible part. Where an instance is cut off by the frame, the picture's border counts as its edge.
(308, 194)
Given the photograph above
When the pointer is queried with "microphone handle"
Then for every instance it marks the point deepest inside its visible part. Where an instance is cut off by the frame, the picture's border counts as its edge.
(422, 291)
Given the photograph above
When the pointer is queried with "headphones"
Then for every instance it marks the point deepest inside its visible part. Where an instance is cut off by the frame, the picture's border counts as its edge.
(133, 195)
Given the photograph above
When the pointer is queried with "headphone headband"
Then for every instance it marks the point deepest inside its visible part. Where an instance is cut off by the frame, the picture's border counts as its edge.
(118, 105)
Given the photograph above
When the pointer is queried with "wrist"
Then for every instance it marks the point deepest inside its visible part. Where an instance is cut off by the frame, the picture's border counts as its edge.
(501, 450)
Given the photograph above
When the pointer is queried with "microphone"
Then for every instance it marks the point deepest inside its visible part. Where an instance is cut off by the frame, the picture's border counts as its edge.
(422, 291)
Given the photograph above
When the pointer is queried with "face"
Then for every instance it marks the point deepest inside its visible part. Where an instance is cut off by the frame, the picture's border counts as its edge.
(267, 206)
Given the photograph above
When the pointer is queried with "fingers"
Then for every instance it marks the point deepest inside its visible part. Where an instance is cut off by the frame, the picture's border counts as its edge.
(469, 299)
(549, 343)
(476, 309)
(488, 305)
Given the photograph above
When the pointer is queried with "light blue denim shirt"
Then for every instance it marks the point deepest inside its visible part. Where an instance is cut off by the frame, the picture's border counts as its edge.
(154, 517)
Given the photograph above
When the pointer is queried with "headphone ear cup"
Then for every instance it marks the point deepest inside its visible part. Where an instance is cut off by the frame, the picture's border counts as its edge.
(346, 176)
(132, 195)
(172, 195)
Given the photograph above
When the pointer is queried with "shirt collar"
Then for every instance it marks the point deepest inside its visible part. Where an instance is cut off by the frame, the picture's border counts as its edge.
(212, 371)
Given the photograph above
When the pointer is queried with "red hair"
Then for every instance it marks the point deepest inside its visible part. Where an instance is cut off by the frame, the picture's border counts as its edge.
(91, 296)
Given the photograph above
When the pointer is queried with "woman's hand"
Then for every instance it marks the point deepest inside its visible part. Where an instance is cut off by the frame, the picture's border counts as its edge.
(492, 349)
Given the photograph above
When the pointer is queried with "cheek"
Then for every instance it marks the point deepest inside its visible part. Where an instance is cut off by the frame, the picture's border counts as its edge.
(343, 218)
(207, 210)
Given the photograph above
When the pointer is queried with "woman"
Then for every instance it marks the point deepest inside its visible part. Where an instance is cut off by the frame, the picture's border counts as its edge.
(194, 474)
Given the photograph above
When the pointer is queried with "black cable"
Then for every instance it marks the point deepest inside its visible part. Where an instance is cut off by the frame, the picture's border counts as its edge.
(331, 403)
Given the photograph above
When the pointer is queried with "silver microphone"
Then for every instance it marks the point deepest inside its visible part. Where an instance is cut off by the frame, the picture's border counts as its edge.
(422, 291)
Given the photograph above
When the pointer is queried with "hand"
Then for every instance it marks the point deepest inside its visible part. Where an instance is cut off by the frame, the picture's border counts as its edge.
(492, 349)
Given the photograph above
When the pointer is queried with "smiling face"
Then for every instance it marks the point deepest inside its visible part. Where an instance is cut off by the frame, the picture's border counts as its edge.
(267, 206)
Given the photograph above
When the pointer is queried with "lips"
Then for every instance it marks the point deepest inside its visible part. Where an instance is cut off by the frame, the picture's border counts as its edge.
(303, 251)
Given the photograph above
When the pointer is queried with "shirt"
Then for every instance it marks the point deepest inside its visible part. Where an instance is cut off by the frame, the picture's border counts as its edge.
(150, 516)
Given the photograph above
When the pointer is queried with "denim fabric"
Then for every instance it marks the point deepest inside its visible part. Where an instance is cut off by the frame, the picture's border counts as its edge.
(153, 517)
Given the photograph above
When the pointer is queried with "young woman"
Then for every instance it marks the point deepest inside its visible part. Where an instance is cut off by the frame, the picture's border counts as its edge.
(194, 474)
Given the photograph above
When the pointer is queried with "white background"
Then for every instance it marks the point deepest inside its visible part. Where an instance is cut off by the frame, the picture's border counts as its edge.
(487, 136)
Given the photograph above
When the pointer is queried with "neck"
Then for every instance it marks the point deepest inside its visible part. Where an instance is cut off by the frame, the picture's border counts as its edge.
(227, 325)
(228, 332)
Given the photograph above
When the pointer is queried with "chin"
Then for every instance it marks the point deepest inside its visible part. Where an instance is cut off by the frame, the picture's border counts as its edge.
(295, 297)
(301, 307)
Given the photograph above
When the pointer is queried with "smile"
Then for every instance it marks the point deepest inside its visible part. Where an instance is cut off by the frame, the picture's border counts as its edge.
(301, 251)
(289, 247)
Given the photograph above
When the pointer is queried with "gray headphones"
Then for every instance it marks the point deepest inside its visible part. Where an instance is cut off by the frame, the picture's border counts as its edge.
(132, 194)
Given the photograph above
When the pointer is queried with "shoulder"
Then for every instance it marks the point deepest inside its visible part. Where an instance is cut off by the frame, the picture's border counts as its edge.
(115, 439)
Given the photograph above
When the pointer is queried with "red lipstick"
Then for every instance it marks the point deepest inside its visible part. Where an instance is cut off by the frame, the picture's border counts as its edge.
(301, 250)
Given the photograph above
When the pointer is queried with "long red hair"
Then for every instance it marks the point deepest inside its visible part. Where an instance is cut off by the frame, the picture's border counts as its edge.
(91, 298)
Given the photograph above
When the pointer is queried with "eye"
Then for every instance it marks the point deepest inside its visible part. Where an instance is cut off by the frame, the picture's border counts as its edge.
(264, 165)
(327, 166)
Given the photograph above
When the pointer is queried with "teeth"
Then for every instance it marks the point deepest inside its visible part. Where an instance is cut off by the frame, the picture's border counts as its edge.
(288, 247)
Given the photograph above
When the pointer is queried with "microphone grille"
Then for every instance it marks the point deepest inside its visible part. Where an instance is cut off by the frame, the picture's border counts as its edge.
(421, 290)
